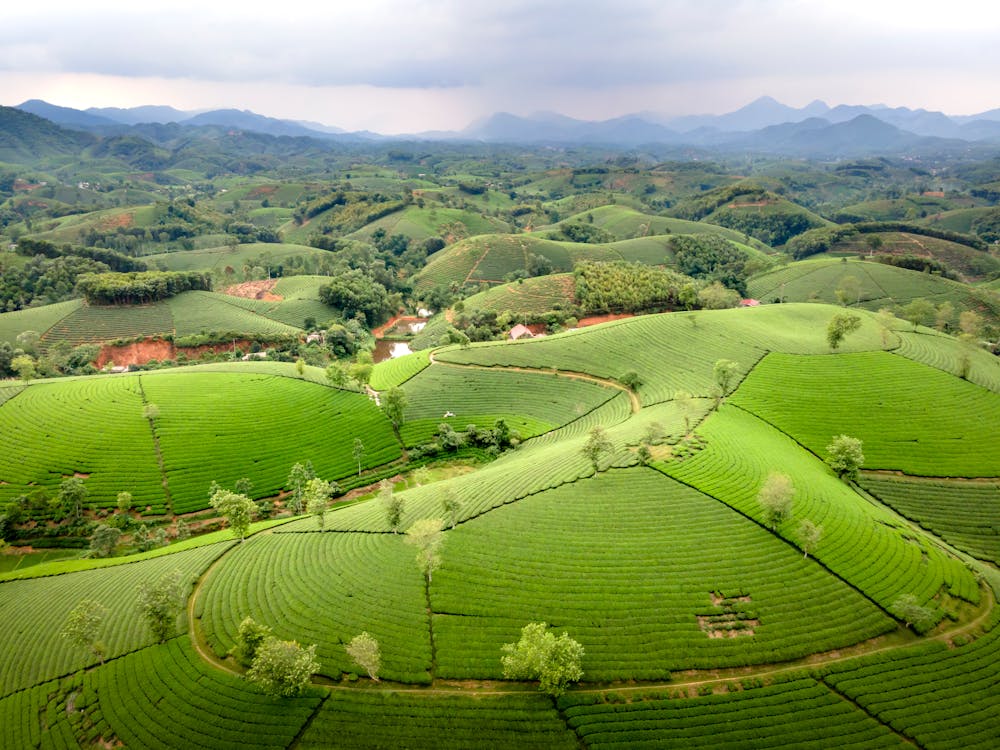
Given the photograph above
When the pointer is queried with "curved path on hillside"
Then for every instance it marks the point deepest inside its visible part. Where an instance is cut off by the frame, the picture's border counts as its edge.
(688, 678)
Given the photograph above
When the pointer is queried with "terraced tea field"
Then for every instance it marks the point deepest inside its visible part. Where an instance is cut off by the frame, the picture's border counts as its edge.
(702, 625)
(212, 426)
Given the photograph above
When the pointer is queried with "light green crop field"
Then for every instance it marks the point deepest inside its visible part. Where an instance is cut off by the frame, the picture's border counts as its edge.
(910, 417)
(431, 221)
(212, 426)
(37, 319)
(963, 513)
(574, 556)
(89, 323)
(535, 295)
(879, 286)
(218, 427)
(197, 312)
(357, 581)
(33, 612)
(394, 372)
(674, 351)
(701, 625)
(742, 450)
(625, 223)
(530, 402)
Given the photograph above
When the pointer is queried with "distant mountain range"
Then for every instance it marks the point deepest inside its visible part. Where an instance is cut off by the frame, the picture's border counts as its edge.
(765, 125)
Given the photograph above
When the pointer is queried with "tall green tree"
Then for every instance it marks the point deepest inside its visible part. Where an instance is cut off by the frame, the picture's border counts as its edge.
(103, 540)
(598, 446)
(160, 602)
(72, 495)
(426, 535)
(283, 668)
(83, 626)
(317, 494)
(724, 371)
(239, 511)
(365, 652)
(394, 404)
(358, 452)
(540, 655)
(300, 474)
(775, 498)
(841, 325)
(845, 457)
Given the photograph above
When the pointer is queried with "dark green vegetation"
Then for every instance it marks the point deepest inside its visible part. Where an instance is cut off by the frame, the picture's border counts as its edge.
(704, 618)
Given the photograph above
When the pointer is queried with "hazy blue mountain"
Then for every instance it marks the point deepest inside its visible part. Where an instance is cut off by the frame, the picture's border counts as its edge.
(136, 115)
(25, 138)
(760, 113)
(65, 115)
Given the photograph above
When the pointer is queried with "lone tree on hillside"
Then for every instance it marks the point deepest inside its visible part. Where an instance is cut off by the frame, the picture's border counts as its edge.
(358, 452)
(297, 478)
(426, 535)
(249, 638)
(239, 511)
(597, 446)
(392, 505)
(539, 655)
(283, 668)
(844, 456)
(686, 406)
(886, 322)
(104, 540)
(451, 506)
(724, 371)
(161, 602)
(919, 312)
(849, 291)
(83, 626)
(775, 497)
(912, 613)
(317, 493)
(809, 536)
(364, 651)
(72, 494)
(840, 325)
(394, 404)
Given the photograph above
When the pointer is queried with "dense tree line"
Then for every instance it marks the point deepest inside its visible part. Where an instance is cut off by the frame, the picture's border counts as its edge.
(113, 260)
(711, 258)
(42, 281)
(631, 287)
(141, 287)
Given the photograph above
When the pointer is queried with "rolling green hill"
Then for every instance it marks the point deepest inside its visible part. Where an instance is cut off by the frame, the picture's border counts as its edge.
(870, 285)
(703, 622)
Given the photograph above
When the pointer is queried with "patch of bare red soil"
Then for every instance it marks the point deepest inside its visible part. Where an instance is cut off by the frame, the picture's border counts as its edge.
(114, 222)
(593, 320)
(262, 290)
(141, 352)
(262, 190)
(750, 204)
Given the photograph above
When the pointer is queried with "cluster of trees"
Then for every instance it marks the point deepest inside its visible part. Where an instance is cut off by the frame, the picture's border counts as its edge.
(450, 440)
(42, 281)
(139, 287)
(632, 287)
(712, 258)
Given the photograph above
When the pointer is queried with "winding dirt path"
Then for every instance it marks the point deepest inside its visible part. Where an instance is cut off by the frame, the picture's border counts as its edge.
(688, 679)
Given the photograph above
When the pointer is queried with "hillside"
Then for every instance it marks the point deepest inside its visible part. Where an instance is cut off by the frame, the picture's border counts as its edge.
(872, 286)
(680, 631)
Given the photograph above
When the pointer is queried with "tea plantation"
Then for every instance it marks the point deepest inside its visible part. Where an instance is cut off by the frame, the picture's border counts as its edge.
(704, 622)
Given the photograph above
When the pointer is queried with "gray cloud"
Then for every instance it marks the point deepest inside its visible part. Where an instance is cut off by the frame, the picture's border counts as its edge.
(540, 47)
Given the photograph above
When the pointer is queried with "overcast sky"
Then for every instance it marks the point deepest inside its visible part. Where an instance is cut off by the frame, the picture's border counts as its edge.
(397, 66)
